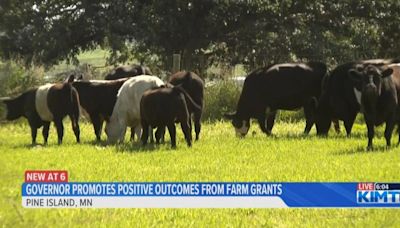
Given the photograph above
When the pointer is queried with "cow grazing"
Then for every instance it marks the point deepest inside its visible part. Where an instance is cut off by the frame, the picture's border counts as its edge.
(379, 98)
(163, 107)
(50, 102)
(97, 100)
(126, 110)
(194, 86)
(281, 86)
(128, 71)
(340, 99)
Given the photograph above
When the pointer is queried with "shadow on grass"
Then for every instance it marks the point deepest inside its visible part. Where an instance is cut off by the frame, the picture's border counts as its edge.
(363, 149)
(136, 147)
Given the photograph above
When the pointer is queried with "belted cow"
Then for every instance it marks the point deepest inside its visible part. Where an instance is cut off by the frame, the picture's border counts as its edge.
(47, 103)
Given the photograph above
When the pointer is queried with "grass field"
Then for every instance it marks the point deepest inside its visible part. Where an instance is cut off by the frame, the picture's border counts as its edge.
(218, 156)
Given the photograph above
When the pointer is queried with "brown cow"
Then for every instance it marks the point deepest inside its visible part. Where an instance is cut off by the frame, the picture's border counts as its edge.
(194, 86)
(162, 107)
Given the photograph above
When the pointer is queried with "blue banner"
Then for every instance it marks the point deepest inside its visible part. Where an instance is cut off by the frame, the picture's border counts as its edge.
(328, 194)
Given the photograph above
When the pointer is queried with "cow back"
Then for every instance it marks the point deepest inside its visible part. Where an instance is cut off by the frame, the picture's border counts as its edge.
(191, 82)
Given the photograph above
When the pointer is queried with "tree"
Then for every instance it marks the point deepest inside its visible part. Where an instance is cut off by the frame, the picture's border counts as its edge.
(255, 33)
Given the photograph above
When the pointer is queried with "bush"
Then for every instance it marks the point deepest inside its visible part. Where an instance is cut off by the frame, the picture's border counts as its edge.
(219, 98)
(14, 79)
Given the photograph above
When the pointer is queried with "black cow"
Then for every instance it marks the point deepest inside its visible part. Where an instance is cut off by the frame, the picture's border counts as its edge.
(164, 106)
(51, 102)
(194, 86)
(281, 86)
(128, 71)
(97, 99)
(339, 98)
(379, 98)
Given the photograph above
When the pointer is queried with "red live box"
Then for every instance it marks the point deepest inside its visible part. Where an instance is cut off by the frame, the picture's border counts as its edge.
(46, 176)
(366, 186)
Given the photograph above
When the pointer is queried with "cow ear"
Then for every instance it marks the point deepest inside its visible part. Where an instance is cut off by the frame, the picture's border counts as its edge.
(229, 116)
(387, 72)
(71, 78)
(354, 75)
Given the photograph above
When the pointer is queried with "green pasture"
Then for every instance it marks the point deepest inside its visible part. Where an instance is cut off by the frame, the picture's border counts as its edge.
(218, 156)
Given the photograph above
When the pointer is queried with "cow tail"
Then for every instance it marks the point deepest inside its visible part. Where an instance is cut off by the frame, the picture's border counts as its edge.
(75, 106)
(193, 105)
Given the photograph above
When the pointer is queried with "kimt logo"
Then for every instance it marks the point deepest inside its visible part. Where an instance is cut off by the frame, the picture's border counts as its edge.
(391, 196)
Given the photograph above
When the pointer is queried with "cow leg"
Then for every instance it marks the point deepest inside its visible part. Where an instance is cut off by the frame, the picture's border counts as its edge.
(160, 134)
(145, 134)
(389, 130)
(45, 131)
(33, 130)
(336, 125)
(397, 122)
(132, 134)
(348, 122)
(197, 124)
(186, 131)
(172, 134)
(33, 134)
(138, 131)
(60, 130)
(75, 128)
(271, 121)
(97, 125)
(371, 131)
(151, 134)
(309, 110)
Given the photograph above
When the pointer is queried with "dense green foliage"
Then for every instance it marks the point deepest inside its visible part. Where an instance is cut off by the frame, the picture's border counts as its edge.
(250, 32)
(219, 98)
(218, 156)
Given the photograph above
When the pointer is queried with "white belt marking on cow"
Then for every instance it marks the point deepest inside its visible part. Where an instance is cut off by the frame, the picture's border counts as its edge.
(357, 93)
(41, 102)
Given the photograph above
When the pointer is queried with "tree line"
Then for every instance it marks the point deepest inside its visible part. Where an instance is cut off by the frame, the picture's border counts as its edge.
(250, 32)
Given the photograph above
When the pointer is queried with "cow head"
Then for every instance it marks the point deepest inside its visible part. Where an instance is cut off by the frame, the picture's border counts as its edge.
(115, 130)
(369, 81)
(242, 125)
(14, 108)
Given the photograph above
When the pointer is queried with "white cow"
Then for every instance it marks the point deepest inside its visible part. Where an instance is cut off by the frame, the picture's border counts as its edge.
(126, 111)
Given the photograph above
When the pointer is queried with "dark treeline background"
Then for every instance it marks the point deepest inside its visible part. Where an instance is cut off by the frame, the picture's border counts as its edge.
(253, 33)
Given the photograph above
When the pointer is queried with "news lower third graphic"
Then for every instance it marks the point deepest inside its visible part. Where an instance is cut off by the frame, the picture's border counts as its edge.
(52, 189)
